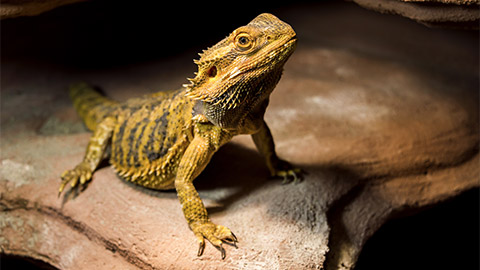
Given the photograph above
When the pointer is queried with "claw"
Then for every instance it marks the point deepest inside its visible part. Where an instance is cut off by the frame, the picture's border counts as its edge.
(296, 179)
(62, 186)
(215, 234)
(231, 240)
(201, 248)
(293, 175)
(222, 250)
(235, 239)
(285, 180)
(80, 175)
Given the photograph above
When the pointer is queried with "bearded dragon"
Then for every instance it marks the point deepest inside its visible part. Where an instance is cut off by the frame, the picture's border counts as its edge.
(164, 140)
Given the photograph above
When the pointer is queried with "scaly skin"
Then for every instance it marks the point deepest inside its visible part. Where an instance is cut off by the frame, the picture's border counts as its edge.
(165, 140)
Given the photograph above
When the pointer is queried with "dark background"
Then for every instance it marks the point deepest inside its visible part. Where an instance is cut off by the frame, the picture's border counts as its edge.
(123, 32)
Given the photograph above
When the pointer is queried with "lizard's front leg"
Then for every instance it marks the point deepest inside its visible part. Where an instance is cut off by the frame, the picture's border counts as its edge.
(278, 168)
(194, 160)
(94, 154)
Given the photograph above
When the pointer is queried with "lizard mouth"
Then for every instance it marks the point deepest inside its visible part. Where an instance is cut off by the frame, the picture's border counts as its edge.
(287, 47)
(279, 53)
(283, 51)
(291, 42)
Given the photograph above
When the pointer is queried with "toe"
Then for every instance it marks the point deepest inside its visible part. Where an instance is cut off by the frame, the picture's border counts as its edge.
(216, 235)
(201, 244)
(62, 186)
(74, 181)
(83, 179)
(201, 248)
(296, 179)
(232, 238)
(225, 234)
(293, 175)
(222, 250)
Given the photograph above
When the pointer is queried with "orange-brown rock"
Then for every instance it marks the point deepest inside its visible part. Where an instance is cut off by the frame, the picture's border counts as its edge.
(381, 112)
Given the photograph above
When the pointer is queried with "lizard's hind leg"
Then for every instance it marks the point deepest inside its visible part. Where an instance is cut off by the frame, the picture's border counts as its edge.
(97, 145)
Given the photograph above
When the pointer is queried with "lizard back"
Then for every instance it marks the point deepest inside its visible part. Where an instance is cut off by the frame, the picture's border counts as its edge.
(150, 138)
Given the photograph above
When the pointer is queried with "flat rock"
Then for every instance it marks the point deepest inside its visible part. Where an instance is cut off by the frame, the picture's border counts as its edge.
(437, 13)
(382, 125)
(17, 8)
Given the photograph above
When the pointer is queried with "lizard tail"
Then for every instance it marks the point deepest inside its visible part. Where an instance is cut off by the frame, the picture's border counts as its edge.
(92, 106)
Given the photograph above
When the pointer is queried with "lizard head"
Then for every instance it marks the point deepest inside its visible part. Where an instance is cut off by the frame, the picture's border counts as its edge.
(241, 70)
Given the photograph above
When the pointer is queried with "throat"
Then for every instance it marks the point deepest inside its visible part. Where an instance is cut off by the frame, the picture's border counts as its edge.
(244, 119)
(241, 107)
(230, 119)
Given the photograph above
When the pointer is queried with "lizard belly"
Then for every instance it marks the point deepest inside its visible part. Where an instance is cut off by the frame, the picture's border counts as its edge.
(150, 140)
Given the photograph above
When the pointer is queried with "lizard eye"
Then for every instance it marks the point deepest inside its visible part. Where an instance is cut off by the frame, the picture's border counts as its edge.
(212, 72)
(244, 41)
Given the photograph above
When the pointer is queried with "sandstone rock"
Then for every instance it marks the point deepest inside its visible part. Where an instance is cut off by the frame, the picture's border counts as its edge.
(443, 13)
(383, 126)
(16, 8)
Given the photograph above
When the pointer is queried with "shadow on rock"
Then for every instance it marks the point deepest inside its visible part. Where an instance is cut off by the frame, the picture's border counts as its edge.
(243, 172)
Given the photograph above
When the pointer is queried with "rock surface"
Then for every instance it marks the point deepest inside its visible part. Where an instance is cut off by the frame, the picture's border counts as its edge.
(17, 8)
(383, 117)
(443, 13)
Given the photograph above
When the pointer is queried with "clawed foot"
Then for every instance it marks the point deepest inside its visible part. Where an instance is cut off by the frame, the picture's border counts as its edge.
(287, 172)
(80, 174)
(215, 234)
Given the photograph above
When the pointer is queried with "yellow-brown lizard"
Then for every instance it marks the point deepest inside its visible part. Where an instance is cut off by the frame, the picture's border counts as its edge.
(164, 140)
